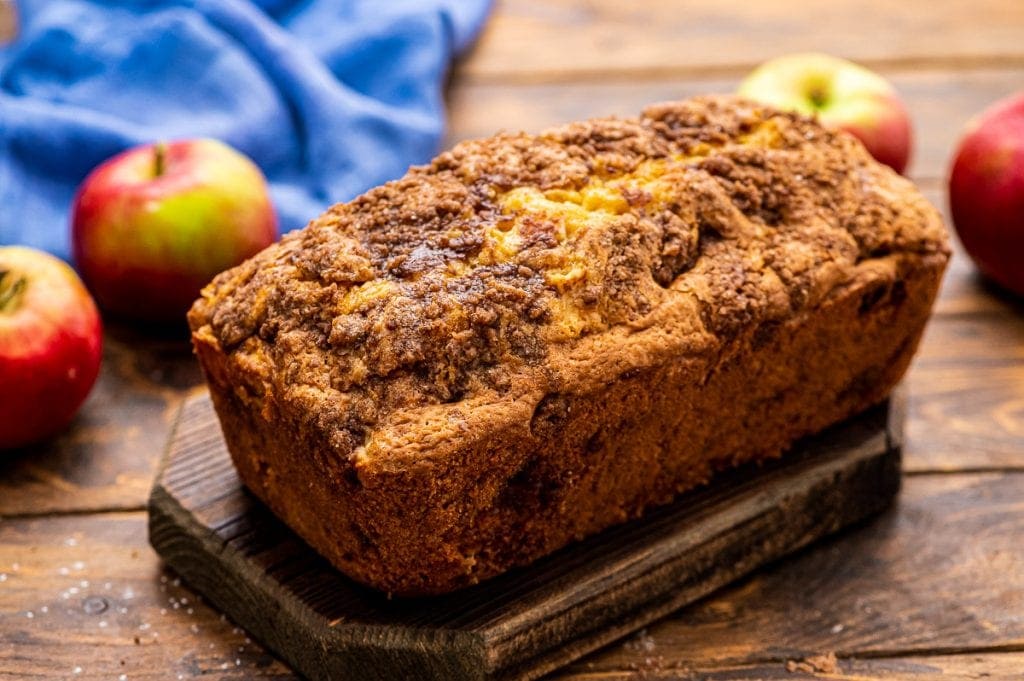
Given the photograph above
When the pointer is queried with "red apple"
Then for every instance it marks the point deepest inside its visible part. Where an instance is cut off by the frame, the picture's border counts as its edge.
(986, 192)
(50, 343)
(843, 95)
(151, 226)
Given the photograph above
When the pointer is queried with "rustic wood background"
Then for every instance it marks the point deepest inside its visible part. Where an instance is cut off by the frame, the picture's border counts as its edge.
(933, 589)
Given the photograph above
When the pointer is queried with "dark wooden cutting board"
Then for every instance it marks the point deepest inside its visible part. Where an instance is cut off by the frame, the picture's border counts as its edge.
(229, 547)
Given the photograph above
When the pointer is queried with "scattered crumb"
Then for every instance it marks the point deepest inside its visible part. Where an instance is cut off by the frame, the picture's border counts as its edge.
(825, 663)
(137, 640)
(642, 642)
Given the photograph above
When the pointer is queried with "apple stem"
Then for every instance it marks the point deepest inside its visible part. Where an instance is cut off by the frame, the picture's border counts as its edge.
(159, 155)
(819, 97)
(11, 287)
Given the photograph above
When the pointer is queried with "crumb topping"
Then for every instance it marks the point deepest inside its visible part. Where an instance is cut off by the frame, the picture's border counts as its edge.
(447, 282)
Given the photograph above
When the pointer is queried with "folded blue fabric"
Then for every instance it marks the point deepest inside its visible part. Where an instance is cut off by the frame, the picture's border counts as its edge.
(329, 97)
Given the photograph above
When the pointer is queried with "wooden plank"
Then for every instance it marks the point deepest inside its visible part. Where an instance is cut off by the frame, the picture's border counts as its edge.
(966, 395)
(86, 593)
(568, 39)
(106, 459)
(940, 104)
(942, 574)
(523, 623)
(1002, 666)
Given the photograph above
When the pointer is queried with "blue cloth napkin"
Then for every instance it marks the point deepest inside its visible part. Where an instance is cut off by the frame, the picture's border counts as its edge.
(329, 97)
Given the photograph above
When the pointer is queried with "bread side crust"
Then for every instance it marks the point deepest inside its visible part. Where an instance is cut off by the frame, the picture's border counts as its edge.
(573, 462)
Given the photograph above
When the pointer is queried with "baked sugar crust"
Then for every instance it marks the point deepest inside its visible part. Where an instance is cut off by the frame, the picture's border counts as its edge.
(535, 337)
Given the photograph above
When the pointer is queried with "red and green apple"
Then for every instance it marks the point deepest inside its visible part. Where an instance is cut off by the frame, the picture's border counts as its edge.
(152, 225)
(50, 345)
(986, 192)
(842, 95)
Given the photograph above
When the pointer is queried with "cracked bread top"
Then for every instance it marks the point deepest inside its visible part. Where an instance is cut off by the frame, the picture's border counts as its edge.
(519, 263)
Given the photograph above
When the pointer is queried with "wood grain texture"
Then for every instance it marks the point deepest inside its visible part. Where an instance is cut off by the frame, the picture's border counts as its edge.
(523, 623)
(106, 458)
(940, 104)
(943, 574)
(86, 592)
(966, 390)
(907, 586)
(1005, 666)
(546, 40)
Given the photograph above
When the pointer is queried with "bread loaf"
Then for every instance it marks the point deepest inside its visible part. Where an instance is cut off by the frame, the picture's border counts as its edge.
(535, 337)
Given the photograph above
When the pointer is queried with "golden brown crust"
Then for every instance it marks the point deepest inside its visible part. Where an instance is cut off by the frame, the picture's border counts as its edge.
(419, 342)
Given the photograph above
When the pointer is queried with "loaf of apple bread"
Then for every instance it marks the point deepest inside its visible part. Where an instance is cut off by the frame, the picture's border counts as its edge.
(535, 337)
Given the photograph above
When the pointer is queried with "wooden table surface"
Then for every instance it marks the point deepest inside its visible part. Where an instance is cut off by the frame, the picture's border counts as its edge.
(934, 588)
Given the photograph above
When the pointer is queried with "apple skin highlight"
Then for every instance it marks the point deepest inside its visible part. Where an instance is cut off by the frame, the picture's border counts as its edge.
(51, 340)
(986, 192)
(843, 96)
(152, 225)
